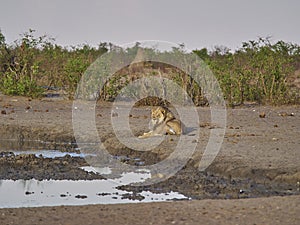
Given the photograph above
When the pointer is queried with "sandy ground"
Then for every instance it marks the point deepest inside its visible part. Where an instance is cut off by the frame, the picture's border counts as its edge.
(272, 210)
(261, 147)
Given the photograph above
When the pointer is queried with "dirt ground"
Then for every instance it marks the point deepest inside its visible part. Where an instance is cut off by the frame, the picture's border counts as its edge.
(272, 210)
(255, 178)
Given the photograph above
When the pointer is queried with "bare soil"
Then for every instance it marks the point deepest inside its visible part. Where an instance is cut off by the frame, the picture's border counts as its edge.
(255, 178)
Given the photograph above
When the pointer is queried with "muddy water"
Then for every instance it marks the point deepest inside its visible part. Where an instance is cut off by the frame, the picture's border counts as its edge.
(51, 153)
(33, 192)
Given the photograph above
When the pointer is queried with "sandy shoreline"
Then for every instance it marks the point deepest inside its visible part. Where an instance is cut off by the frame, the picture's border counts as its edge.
(272, 210)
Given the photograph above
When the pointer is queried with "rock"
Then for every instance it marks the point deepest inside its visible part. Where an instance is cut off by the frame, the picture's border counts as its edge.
(283, 114)
(114, 114)
(262, 115)
(19, 162)
(81, 196)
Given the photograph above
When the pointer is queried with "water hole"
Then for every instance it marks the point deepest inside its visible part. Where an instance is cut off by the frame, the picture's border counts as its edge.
(36, 193)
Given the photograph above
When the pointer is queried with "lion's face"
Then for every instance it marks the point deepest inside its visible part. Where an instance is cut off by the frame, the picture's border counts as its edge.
(158, 115)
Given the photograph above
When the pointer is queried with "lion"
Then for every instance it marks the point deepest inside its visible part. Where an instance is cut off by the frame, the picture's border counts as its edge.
(163, 122)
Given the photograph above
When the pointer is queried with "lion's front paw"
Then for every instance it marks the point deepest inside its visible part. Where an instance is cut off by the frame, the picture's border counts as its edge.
(145, 135)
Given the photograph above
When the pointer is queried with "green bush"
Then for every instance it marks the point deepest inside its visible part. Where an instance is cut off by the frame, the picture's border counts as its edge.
(21, 68)
(259, 71)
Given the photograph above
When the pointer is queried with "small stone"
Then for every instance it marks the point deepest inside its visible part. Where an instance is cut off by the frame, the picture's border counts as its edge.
(19, 162)
(81, 196)
(34, 162)
(3, 112)
(56, 161)
(282, 114)
(160, 175)
(114, 114)
(262, 115)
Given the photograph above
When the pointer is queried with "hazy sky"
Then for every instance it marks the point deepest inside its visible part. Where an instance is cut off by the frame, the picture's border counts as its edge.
(198, 24)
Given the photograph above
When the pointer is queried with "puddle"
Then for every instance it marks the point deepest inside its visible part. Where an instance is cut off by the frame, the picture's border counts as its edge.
(51, 153)
(29, 144)
(103, 170)
(34, 193)
(37, 193)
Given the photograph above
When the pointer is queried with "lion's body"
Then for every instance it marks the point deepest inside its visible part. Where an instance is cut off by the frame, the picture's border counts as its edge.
(163, 122)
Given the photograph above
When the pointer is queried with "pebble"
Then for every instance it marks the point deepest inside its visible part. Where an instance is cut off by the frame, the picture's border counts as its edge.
(262, 115)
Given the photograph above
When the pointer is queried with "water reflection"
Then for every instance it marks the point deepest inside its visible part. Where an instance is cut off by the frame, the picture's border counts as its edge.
(51, 153)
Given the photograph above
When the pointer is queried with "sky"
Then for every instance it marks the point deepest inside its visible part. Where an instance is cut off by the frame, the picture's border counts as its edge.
(196, 23)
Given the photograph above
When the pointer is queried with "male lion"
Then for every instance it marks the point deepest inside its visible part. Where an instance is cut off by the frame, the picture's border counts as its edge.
(163, 122)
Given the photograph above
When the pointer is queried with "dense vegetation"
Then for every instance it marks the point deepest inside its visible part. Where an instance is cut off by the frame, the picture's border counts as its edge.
(259, 71)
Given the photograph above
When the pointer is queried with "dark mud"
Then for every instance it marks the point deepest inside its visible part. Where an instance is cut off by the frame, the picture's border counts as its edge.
(29, 166)
(189, 181)
(207, 185)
